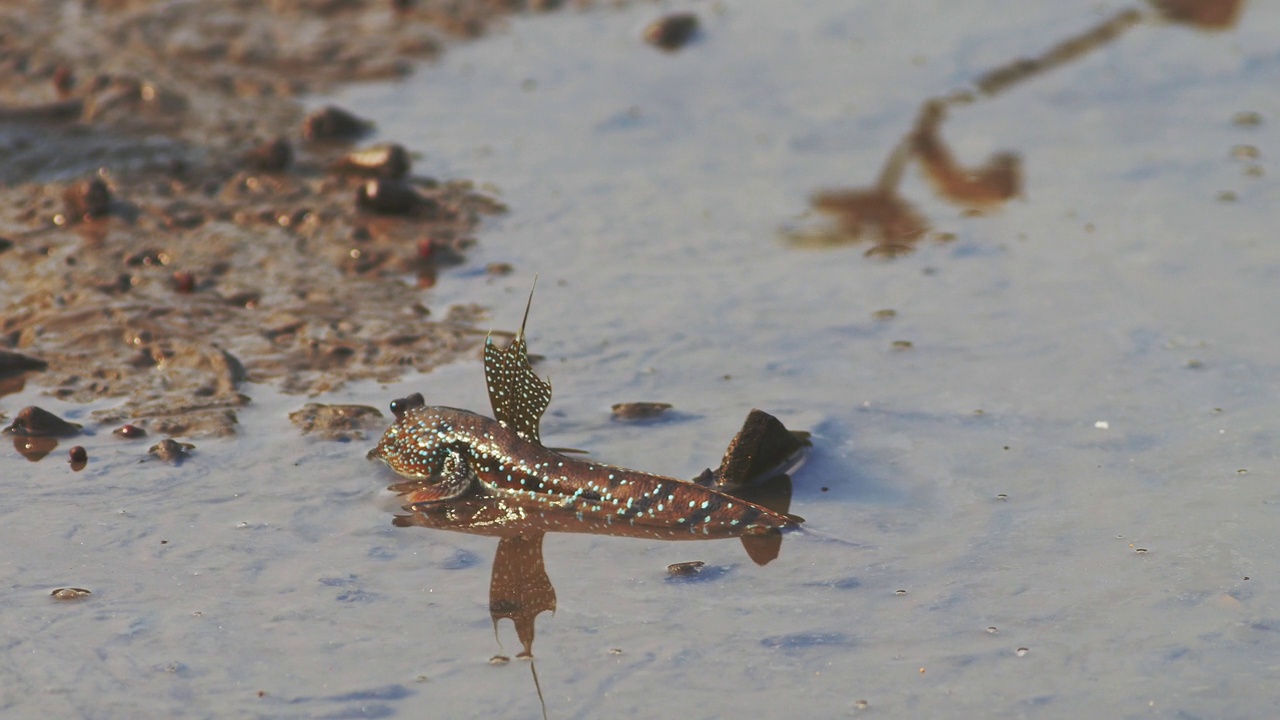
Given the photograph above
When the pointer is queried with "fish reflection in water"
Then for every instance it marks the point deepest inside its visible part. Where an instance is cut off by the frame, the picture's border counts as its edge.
(464, 472)
(520, 588)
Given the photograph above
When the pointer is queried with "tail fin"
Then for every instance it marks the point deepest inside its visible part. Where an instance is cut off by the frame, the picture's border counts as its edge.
(754, 469)
(763, 447)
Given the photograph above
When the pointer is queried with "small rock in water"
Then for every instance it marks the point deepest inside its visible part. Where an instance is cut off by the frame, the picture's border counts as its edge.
(172, 451)
(35, 421)
(129, 432)
(672, 32)
(79, 457)
(70, 593)
(683, 569)
(640, 410)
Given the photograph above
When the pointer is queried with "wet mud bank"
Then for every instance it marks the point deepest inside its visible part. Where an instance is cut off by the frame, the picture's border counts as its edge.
(172, 226)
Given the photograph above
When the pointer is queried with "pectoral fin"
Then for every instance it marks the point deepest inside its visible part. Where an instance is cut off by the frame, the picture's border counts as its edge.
(456, 478)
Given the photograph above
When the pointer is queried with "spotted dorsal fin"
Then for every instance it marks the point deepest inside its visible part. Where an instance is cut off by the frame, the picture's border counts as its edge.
(519, 397)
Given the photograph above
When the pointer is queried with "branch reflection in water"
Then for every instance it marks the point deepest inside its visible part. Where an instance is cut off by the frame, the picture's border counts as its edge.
(880, 215)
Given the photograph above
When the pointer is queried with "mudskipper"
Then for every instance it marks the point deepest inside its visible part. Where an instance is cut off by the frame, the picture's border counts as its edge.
(451, 454)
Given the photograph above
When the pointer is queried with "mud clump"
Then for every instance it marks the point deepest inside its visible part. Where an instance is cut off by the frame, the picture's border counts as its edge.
(336, 422)
(174, 228)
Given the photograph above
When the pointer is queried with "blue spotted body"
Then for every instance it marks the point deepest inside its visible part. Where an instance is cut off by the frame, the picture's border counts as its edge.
(453, 452)
(460, 451)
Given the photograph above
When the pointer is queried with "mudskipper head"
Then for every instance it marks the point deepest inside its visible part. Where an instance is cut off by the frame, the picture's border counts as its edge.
(424, 444)
(411, 445)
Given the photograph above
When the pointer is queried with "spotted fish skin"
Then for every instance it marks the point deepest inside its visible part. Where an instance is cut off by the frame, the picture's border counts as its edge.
(459, 451)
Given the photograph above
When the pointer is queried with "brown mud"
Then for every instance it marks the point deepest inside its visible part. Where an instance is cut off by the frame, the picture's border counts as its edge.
(172, 227)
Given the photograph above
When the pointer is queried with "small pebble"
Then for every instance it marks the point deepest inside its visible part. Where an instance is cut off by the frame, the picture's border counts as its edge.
(334, 123)
(70, 593)
(171, 451)
(684, 569)
(672, 32)
(380, 161)
(79, 457)
(1247, 119)
(129, 432)
(271, 156)
(183, 281)
(1022, 651)
(87, 199)
(499, 660)
(889, 250)
(391, 197)
(639, 410)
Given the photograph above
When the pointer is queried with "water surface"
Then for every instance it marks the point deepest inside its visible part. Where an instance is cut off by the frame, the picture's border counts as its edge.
(1075, 456)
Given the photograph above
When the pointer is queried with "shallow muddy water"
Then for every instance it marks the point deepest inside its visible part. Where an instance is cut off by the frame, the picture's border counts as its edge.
(1044, 486)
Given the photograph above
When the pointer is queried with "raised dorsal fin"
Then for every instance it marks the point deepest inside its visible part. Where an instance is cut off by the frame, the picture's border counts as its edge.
(519, 397)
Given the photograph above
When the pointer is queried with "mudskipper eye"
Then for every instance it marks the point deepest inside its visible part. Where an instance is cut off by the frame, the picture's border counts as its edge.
(402, 405)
